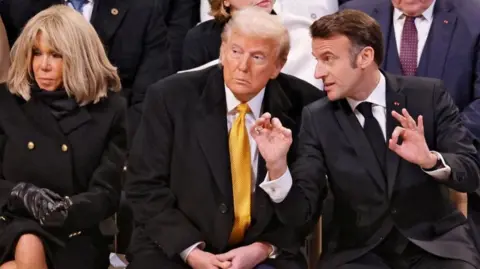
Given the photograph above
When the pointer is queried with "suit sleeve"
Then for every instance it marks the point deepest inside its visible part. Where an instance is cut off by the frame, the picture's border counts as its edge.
(103, 196)
(303, 203)
(147, 186)
(471, 114)
(155, 64)
(183, 16)
(455, 143)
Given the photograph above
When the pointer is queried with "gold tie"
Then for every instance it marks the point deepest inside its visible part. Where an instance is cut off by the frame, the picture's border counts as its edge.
(241, 174)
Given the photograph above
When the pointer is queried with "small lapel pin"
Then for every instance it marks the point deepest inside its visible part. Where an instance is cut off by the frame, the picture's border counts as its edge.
(445, 21)
(396, 103)
(114, 11)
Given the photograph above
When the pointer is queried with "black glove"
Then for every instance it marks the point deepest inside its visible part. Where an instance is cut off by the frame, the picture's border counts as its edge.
(57, 214)
(37, 201)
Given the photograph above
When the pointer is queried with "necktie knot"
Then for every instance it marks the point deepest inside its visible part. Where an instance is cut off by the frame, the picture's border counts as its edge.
(410, 19)
(366, 109)
(243, 108)
(78, 4)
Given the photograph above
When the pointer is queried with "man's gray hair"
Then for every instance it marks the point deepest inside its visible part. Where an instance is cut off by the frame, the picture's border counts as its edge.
(255, 22)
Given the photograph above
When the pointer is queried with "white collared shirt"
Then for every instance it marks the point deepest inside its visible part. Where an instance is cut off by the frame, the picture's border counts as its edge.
(379, 107)
(423, 24)
(255, 105)
(87, 9)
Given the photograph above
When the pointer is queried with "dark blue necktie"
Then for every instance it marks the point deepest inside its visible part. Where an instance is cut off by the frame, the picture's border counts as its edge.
(78, 4)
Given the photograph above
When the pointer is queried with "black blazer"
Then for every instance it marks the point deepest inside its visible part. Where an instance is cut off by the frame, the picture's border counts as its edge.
(202, 44)
(179, 182)
(82, 157)
(367, 204)
(134, 35)
(180, 16)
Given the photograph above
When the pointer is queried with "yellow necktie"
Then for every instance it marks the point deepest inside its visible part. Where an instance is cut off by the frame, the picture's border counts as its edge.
(239, 147)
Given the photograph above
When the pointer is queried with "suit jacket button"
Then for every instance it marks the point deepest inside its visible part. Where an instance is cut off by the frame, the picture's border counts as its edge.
(394, 211)
(223, 208)
(30, 145)
(64, 148)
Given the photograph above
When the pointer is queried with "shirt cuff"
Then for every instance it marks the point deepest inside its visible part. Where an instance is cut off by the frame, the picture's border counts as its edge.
(277, 189)
(274, 253)
(184, 254)
(441, 173)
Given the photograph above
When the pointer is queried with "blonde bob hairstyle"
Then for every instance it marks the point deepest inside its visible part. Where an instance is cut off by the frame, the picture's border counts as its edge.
(87, 72)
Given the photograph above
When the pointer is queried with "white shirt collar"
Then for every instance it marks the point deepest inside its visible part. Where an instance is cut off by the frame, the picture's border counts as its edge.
(427, 14)
(255, 103)
(377, 97)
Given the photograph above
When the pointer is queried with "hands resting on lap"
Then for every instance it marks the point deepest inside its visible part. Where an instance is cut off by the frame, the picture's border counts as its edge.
(246, 257)
(46, 206)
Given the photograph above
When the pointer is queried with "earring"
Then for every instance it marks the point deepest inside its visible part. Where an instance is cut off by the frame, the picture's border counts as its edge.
(226, 3)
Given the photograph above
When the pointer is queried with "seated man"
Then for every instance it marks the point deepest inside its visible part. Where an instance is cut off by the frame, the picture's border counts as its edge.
(446, 46)
(389, 146)
(194, 171)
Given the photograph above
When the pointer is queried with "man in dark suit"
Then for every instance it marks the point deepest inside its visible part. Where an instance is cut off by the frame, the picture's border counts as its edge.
(446, 45)
(442, 40)
(390, 148)
(132, 31)
(194, 172)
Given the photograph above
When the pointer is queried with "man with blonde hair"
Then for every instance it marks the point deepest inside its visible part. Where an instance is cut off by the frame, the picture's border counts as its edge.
(195, 176)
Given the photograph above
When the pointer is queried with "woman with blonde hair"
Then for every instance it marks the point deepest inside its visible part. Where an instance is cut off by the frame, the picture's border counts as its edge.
(4, 50)
(62, 145)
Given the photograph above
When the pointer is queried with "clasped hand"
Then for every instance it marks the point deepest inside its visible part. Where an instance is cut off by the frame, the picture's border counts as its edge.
(246, 257)
(46, 206)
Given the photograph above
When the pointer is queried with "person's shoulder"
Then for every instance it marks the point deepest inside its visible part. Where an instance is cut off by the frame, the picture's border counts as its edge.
(416, 88)
(298, 90)
(203, 30)
(362, 4)
(181, 85)
(466, 11)
(413, 82)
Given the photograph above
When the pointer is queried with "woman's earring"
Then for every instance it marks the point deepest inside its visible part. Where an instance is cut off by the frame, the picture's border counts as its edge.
(226, 3)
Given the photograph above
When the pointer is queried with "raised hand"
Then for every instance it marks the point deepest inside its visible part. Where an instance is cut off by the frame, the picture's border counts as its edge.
(414, 148)
(273, 142)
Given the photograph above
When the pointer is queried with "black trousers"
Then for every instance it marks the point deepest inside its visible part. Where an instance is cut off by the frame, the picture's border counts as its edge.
(426, 261)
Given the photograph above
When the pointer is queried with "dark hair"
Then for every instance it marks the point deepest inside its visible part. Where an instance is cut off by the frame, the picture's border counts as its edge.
(361, 29)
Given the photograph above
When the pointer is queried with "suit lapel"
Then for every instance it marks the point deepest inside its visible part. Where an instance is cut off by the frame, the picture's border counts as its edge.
(355, 135)
(440, 38)
(107, 16)
(212, 133)
(383, 14)
(395, 102)
(276, 103)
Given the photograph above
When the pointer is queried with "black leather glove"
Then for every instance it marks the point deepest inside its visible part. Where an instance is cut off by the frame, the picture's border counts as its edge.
(37, 201)
(57, 214)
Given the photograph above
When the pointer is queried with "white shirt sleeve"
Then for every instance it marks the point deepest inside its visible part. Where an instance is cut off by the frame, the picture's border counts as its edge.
(184, 254)
(442, 173)
(277, 189)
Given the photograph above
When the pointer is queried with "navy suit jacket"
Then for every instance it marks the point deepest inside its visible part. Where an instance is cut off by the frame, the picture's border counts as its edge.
(452, 51)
